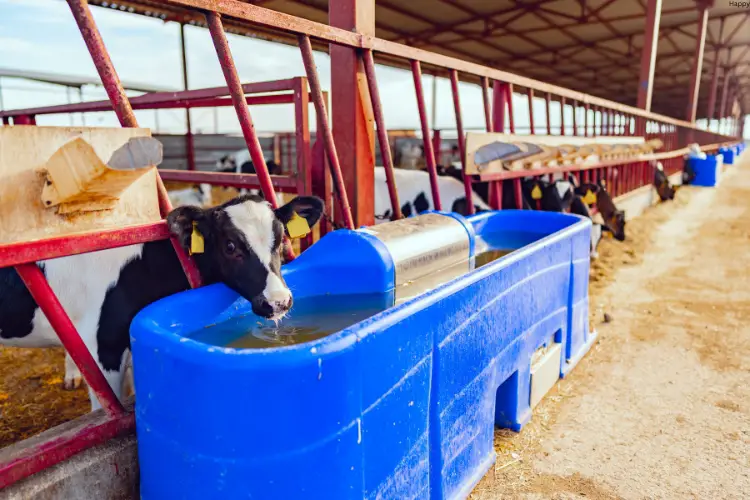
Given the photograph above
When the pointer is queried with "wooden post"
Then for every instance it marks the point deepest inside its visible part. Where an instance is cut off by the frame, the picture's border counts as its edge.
(715, 75)
(648, 54)
(695, 80)
(353, 129)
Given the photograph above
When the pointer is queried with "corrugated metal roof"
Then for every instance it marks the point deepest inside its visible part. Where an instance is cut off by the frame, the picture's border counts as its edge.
(77, 81)
(592, 46)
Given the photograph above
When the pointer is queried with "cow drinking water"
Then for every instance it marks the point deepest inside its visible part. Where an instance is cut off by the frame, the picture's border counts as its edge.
(102, 291)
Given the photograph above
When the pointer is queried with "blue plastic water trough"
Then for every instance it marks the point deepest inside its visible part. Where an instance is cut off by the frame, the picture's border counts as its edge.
(400, 405)
(707, 171)
(728, 155)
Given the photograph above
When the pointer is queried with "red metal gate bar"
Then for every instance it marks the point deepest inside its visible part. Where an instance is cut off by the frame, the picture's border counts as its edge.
(305, 48)
(486, 102)
(586, 120)
(240, 104)
(45, 298)
(574, 107)
(562, 116)
(509, 100)
(547, 99)
(27, 457)
(531, 112)
(103, 63)
(461, 142)
(498, 107)
(385, 147)
(243, 114)
(429, 153)
(28, 252)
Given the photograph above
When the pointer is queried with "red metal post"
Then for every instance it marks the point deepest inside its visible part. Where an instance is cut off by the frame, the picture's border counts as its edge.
(498, 107)
(320, 110)
(562, 115)
(648, 54)
(226, 61)
(509, 100)
(429, 153)
(352, 121)
(461, 142)
(547, 99)
(485, 102)
(574, 107)
(124, 111)
(103, 63)
(586, 120)
(189, 142)
(531, 112)
(385, 147)
(42, 293)
(436, 146)
(302, 146)
(695, 80)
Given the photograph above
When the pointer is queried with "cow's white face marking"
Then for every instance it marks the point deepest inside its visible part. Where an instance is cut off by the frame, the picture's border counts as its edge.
(255, 221)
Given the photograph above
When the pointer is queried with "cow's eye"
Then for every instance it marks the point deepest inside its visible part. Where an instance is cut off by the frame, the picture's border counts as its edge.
(231, 247)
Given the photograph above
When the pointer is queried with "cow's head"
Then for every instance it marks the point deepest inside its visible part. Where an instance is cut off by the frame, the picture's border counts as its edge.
(242, 243)
(615, 224)
(226, 163)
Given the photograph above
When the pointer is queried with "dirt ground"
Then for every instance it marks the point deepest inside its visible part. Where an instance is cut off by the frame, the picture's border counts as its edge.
(660, 407)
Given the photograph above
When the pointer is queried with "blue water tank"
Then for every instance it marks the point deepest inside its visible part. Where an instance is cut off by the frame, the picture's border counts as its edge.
(707, 171)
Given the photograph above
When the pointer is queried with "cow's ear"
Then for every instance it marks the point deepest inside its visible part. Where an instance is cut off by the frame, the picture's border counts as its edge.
(309, 208)
(183, 221)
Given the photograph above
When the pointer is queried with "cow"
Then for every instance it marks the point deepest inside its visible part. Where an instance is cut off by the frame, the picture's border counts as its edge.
(239, 162)
(553, 196)
(413, 187)
(664, 189)
(614, 219)
(579, 207)
(198, 195)
(102, 291)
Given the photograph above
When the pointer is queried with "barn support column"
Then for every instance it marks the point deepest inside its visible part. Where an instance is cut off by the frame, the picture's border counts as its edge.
(353, 130)
(648, 55)
(700, 45)
(189, 144)
(715, 75)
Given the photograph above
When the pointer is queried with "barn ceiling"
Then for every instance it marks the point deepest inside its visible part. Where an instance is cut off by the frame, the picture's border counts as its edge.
(593, 46)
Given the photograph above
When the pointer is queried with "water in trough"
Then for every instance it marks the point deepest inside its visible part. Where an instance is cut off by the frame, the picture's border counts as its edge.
(315, 317)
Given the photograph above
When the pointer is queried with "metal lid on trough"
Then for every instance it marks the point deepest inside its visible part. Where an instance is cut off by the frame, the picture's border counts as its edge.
(427, 250)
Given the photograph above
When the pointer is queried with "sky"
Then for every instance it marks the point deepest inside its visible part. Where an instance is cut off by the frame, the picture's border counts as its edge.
(40, 35)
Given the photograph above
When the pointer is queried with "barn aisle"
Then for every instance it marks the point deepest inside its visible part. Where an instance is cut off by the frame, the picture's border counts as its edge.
(660, 408)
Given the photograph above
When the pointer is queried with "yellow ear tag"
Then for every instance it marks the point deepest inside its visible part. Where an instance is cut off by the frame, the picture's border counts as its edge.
(196, 240)
(590, 198)
(536, 193)
(297, 227)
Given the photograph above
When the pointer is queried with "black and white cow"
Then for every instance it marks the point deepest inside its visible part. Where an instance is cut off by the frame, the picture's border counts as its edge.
(102, 291)
(579, 207)
(199, 195)
(613, 218)
(415, 194)
(239, 162)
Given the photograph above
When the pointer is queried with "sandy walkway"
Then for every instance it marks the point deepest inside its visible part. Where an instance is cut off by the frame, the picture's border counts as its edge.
(661, 406)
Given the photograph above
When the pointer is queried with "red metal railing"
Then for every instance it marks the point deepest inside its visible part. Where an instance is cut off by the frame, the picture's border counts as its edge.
(626, 175)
